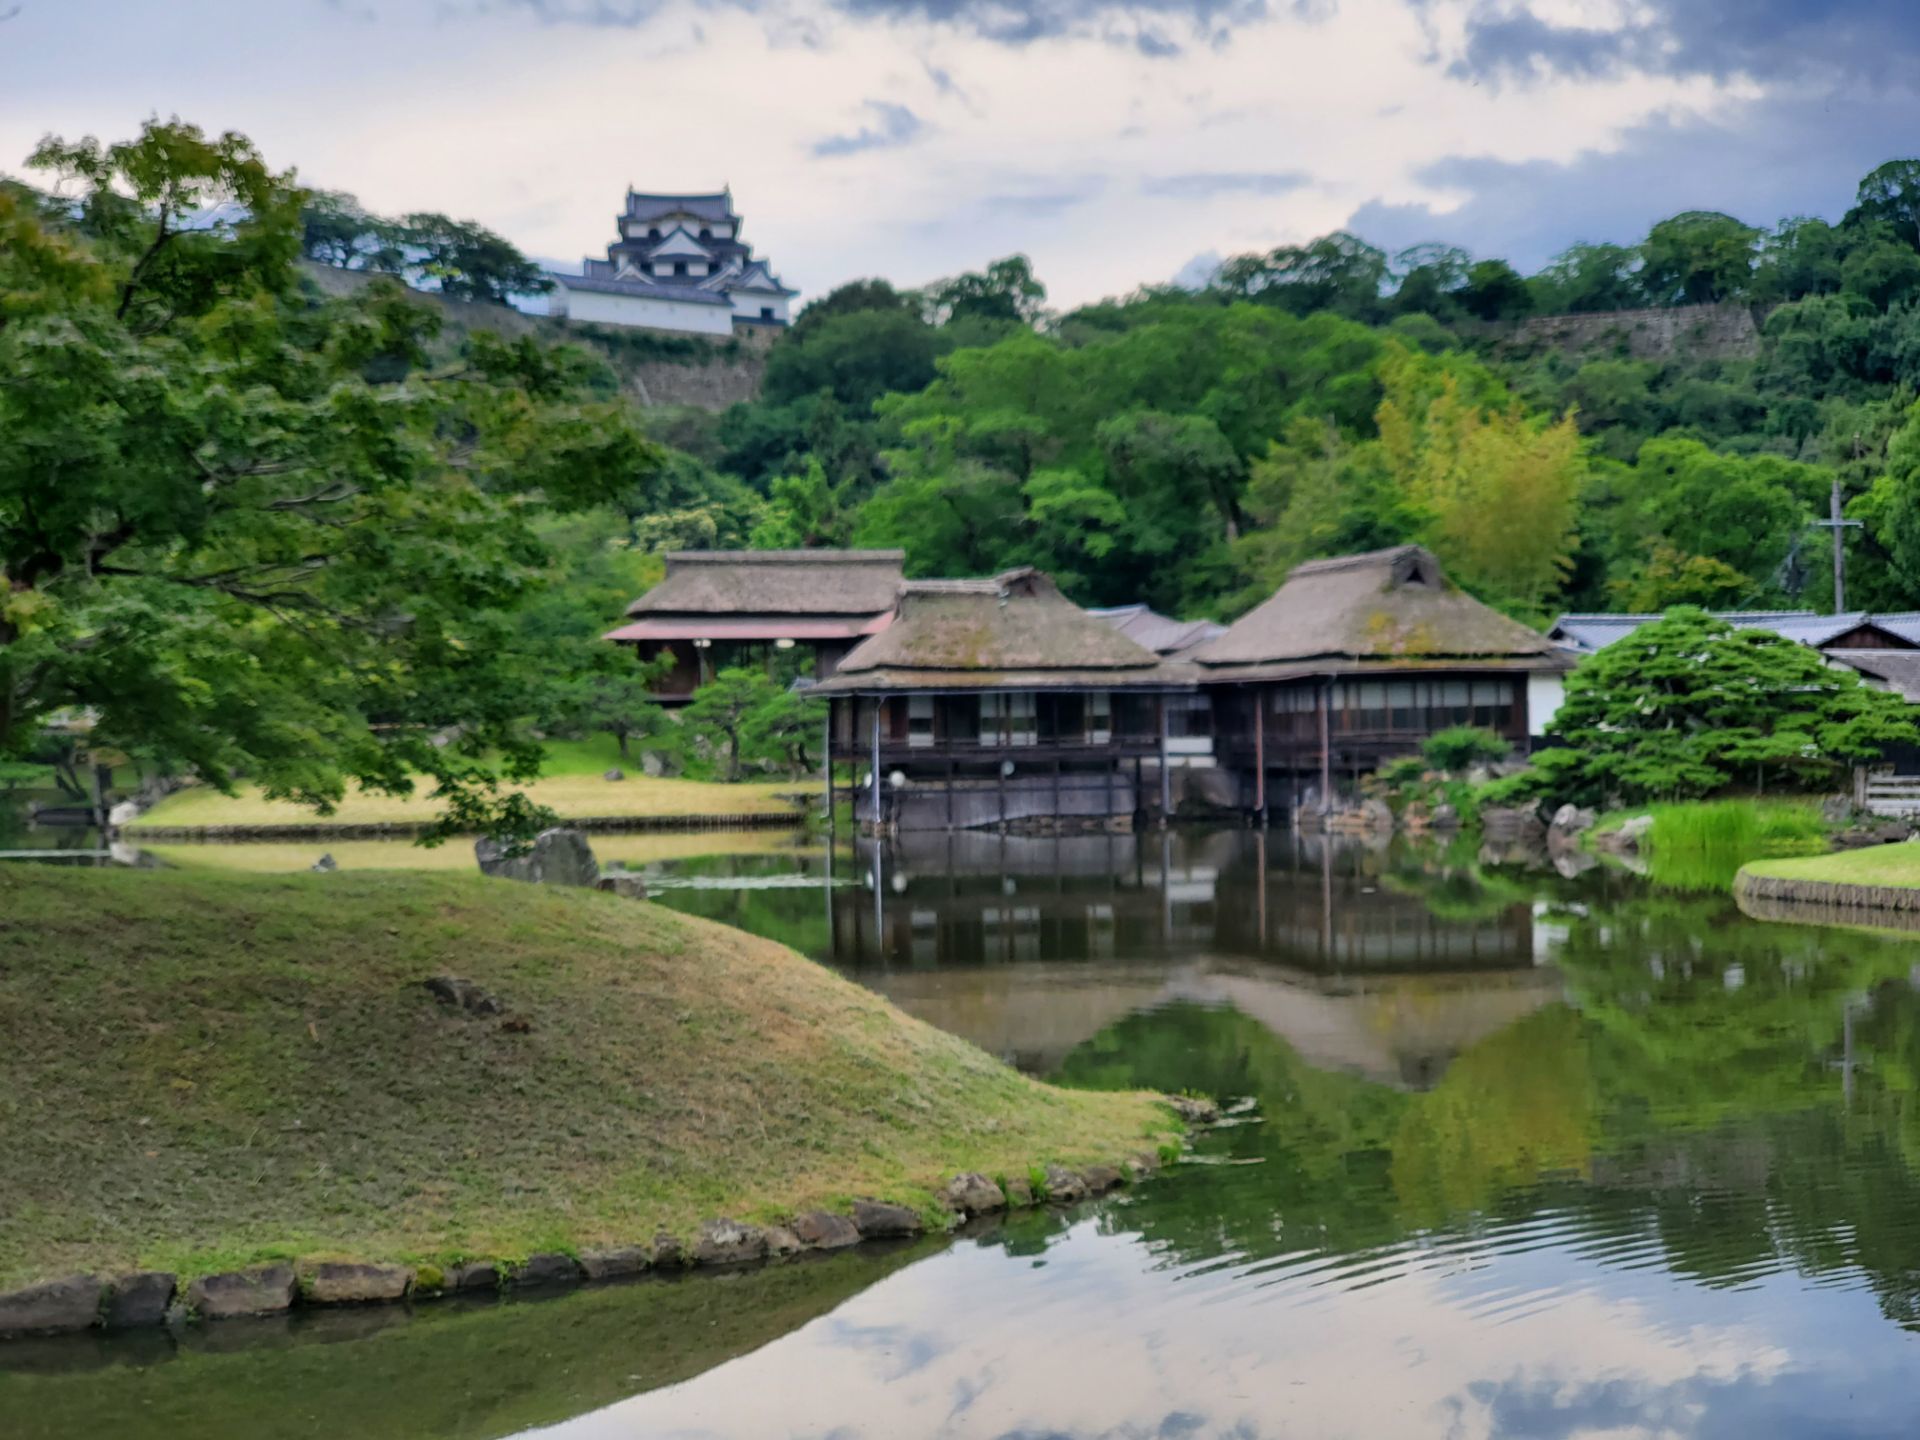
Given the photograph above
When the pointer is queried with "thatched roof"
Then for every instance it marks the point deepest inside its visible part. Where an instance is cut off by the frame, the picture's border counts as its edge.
(1386, 607)
(775, 582)
(1013, 631)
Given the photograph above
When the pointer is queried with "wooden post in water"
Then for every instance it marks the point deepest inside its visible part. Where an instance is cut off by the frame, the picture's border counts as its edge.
(827, 765)
(1166, 772)
(877, 702)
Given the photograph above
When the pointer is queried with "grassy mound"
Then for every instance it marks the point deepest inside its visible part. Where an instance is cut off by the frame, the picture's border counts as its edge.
(1882, 866)
(204, 1070)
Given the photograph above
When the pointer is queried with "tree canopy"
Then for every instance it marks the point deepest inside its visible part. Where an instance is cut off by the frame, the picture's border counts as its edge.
(249, 531)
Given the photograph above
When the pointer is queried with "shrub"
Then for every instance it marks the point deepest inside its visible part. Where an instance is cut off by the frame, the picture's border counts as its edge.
(1460, 747)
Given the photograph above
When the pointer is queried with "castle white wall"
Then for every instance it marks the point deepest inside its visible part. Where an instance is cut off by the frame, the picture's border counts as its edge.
(747, 304)
(596, 308)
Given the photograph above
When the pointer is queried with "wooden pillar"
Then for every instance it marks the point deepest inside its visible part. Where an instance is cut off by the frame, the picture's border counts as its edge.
(1166, 772)
(877, 702)
(1260, 755)
(953, 774)
(827, 765)
(1326, 745)
(1056, 789)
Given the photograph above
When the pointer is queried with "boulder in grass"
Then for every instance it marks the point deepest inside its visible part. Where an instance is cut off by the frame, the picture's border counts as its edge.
(474, 1275)
(668, 1253)
(559, 856)
(54, 1307)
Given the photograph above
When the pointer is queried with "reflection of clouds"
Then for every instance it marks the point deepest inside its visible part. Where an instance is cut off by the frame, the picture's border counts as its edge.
(1108, 1341)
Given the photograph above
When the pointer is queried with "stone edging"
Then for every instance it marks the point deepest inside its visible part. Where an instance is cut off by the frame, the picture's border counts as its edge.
(150, 1298)
(1831, 893)
(406, 829)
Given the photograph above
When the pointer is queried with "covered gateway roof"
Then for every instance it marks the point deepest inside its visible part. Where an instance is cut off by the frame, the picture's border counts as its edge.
(1159, 633)
(1895, 670)
(1015, 630)
(769, 583)
(1384, 607)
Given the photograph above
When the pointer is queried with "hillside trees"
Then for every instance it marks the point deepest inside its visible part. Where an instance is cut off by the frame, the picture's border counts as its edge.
(250, 532)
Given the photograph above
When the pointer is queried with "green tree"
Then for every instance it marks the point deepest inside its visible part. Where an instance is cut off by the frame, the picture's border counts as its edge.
(1494, 290)
(1338, 272)
(743, 714)
(1890, 195)
(803, 511)
(1586, 278)
(1007, 293)
(1697, 258)
(467, 261)
(256, 533)
(1687, 706)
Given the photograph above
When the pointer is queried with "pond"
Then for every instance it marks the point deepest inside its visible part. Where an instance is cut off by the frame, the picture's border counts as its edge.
(1532, 1156)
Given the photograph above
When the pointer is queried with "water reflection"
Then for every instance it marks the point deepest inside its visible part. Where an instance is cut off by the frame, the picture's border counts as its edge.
(1536, 1156)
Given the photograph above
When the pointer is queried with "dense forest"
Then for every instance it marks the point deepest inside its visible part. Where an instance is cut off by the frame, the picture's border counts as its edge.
(1186, 447)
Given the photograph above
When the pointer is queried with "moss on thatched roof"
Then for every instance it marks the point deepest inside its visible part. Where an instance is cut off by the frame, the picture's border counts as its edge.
(1015, 629)
(1386, 605)
(775, 582)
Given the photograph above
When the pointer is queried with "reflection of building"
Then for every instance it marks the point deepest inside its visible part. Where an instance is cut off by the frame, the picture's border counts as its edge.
(1359, 659)
(1029, 946)
(716, 608)
(989, 701)
(679, 264)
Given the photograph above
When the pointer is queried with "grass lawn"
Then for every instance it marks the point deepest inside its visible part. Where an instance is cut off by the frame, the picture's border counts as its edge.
(1896, 865)
(630, 849)
(204, 1070)
(1701, 844)
(571, 786)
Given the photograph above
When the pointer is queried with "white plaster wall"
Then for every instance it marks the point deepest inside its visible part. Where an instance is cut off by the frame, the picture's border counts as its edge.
(597, 308)
(1544, 694)
(746, 303)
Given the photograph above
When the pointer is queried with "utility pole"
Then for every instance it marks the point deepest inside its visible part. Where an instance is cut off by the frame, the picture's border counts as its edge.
(1839, 527)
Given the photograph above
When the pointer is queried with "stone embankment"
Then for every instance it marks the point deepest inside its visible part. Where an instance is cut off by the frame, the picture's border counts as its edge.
(144, 1299)
(1831, 896)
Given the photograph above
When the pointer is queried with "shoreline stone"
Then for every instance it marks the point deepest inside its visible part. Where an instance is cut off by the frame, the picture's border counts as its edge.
(545, 1269)
(53, 1307)
(353, 1284)
(973, 1194)
(474, 1275)
(140, 1300)
(261, 1290)
(615, 1264)
(1064, 1186)
(823, 1230)
(728, 1242)
(879, 1220)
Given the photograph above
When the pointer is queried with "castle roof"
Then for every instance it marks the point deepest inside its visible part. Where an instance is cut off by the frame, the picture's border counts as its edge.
(717, 205)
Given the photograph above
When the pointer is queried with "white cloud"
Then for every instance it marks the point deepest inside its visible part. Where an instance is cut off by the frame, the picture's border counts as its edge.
(535, 128)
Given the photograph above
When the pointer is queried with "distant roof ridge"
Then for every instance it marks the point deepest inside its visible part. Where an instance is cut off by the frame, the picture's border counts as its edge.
(785, 557)
(1364, 559)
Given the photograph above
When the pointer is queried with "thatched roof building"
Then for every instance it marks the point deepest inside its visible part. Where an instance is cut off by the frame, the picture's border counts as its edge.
(1359, 613)
(767, 595)
(1013, 631)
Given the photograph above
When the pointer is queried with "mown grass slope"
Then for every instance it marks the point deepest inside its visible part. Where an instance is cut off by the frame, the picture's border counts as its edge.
(202, 1070)
(1891, 866)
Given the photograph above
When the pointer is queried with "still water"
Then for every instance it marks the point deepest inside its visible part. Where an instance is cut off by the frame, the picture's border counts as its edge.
(1535, 1156)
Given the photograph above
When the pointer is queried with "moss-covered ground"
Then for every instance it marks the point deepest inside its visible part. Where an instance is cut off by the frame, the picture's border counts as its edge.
(1895, 866)
(203, 1070)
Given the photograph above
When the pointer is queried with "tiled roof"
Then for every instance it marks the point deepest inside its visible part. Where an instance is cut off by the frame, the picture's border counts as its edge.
(1587, 633)
(1159, 633)
(716, 206)
(645, 289)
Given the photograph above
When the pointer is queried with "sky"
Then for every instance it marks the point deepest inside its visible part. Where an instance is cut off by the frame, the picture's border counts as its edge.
(1114, 144)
